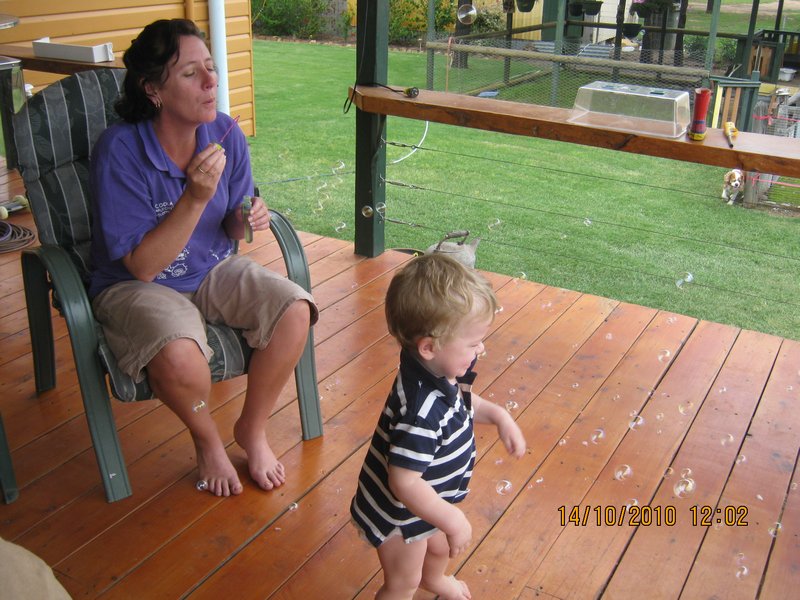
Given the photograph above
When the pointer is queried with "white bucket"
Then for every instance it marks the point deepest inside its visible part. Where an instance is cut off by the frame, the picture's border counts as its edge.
(787, 74)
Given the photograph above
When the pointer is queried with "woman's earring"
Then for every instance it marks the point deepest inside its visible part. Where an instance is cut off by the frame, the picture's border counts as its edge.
(156, 102)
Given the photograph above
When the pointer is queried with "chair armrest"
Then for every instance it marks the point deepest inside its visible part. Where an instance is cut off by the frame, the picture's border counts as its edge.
(292, 249)
(69, 289)
(54, 262)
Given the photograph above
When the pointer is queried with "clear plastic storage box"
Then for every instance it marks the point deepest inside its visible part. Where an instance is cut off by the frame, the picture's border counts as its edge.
(634, 108)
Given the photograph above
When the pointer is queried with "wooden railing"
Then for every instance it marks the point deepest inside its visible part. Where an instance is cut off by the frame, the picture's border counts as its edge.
(751, 152)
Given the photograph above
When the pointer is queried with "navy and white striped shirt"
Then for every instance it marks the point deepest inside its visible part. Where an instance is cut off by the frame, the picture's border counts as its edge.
(425, 426)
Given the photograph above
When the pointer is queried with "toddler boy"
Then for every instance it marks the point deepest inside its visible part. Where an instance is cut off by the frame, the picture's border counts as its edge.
(420, 460)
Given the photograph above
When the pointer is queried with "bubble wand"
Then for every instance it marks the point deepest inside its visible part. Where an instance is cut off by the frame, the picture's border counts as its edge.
(227, 131)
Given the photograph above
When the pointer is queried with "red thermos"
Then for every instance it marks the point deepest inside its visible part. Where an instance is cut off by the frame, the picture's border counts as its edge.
(702, 97)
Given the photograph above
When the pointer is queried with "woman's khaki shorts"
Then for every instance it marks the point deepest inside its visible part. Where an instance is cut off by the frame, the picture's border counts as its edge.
(140, 318)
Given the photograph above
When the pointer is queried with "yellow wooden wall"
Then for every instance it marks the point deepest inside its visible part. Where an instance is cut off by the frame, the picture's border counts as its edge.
(119, 21)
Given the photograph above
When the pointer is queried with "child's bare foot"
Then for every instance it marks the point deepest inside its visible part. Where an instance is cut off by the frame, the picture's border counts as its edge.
(448, 588)
(265, 468)
(216, 470)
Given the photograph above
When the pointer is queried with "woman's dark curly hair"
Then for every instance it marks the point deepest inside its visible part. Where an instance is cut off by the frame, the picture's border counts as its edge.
(146, 60)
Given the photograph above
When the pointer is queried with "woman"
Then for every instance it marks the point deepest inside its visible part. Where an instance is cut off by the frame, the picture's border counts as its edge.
(167, 207)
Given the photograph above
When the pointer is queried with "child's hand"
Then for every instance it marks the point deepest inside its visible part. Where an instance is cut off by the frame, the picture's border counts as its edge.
(511, 436)
(460, 536)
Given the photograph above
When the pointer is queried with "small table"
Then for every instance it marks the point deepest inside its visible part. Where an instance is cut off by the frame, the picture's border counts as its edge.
(6, 99)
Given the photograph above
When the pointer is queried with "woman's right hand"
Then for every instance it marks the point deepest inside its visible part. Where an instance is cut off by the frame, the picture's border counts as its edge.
(204, 171)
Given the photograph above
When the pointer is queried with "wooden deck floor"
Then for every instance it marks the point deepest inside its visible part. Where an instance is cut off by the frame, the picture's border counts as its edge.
(631, 414)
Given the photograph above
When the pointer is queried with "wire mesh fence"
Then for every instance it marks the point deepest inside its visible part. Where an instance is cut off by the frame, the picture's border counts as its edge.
(536, 72)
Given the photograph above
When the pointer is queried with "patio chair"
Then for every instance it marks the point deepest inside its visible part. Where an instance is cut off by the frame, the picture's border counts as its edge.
(54, 134)
(734, 100)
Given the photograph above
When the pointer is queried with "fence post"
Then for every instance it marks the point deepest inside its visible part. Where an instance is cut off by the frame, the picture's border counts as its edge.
(372, 57)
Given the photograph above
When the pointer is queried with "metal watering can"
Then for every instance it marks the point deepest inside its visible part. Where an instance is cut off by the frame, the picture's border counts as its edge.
(462, 251)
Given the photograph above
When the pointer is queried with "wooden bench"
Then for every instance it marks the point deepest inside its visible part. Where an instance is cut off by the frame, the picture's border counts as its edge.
(587, 50)
(595, 51)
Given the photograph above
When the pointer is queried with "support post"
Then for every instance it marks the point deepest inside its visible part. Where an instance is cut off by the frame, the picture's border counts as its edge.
(372, 57)
(431, 36)
(712, 37)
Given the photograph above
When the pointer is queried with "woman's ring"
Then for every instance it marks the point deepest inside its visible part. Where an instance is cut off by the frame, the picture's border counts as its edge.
(201, 485)
(201, 170)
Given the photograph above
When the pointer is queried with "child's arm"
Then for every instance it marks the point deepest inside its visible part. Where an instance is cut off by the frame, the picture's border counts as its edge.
(507, 428)
(423, 501)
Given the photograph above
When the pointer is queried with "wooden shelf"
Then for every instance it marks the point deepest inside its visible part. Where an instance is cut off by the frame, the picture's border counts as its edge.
(51, 65)
(751, 152)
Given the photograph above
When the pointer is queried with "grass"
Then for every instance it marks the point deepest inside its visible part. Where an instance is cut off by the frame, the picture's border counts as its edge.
(602, 222)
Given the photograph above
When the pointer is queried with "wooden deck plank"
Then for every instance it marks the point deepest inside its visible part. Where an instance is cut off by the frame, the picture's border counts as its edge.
(783, 569)
(633, 473)
(528, 527)
(566, 363)
(665, 554)
(755, 489)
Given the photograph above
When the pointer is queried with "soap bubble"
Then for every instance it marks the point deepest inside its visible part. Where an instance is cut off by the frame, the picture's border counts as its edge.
(563, 441)
(741, 459)
(340, 227)
(510, 358)
(668, 473)
(742, 571)
(199, 406)
(727, 439)
(686, 472)
(293, 506)
(637, 421)
(367, 211)
(622, 472)
(467, 14)
(609, 336)
(597, 435)
(664, 355)
(684, 487)
(511, 405)
(685, 408)
(503, 487)
(775, 530)
(495, 223)
(688, 278)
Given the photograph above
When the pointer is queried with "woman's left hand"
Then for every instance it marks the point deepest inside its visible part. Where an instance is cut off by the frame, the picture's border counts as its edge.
(259, 215)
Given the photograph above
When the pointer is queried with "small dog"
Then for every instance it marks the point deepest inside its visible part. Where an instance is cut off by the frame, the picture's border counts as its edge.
(734, 182)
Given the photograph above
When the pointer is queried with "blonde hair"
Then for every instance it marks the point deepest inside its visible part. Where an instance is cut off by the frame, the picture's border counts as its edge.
(431, 295)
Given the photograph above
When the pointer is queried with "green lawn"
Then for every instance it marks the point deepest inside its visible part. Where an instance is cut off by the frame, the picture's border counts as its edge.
(603, 222)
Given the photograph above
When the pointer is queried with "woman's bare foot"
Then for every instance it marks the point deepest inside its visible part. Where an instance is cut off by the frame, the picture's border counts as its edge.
(448, 588)
(215, 468)
(265, 468)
